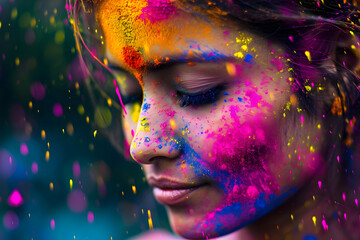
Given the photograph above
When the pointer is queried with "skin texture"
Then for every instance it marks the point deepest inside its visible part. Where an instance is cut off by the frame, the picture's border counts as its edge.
(249, 151)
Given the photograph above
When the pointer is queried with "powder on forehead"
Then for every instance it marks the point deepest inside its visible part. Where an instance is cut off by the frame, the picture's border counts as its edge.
(147, 24)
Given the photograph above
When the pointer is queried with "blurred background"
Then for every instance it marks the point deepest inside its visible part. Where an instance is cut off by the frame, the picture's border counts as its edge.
(60, 178)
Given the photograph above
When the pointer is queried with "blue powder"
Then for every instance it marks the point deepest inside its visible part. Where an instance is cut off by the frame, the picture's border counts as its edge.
(240, 99)
(310, 237)
(146, 107)
(248, 58)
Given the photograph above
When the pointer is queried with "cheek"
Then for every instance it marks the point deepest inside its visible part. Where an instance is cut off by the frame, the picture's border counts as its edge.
(240, 158)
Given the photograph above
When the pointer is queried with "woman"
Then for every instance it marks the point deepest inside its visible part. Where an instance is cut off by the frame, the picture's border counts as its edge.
(243, 114)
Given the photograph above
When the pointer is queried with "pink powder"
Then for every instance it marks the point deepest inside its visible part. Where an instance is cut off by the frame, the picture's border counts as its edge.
(90, 217)
(24, 149)
(158, 10)
(58, 110)
(15, 199)
(76, 169)
(52, 224)
(34, 168)
(254, 98)
(37, 91)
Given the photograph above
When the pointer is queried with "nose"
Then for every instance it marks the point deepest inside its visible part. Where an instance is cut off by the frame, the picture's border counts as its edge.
(156, 135)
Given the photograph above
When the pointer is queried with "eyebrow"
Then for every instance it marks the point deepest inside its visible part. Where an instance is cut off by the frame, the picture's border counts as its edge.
(171, 60)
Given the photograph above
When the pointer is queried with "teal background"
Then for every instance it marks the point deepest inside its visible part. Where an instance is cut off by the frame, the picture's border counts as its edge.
(37, 33)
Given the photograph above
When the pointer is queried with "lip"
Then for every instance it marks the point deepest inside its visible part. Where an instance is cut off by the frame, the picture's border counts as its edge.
(170, 191)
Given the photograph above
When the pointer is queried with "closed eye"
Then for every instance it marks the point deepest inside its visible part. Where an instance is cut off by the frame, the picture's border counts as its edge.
(199, 99)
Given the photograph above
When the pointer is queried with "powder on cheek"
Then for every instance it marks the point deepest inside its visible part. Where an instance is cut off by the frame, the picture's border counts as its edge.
(239, 158)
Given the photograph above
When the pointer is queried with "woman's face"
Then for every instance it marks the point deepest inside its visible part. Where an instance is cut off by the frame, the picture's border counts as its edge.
(219, 133)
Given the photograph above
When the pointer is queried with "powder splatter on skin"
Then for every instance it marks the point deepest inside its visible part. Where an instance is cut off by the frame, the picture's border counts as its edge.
(123, 26)
(133, 58)
(157, 10)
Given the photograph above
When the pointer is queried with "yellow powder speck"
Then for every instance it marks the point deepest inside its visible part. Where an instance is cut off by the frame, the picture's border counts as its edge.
(308, 55)
(14, 13)
(71, 184)
(150, 220)
(135, 112)
(314, 220)
(312, 149)
(239, 55)
(33, 22)
(52, 20)
(95, 133)
(87, 119)
(133, 189)
(30, 105)
(43, 135)
(109, 102)
(17, 61)
(319, 126)
(51, 186)
(47, 156)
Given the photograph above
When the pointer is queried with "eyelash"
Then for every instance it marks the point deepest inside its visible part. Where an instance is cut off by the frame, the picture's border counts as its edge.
(184, 99)
(207, 97)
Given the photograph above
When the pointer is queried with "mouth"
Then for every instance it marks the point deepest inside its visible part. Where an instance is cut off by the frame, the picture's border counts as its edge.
(170, 192)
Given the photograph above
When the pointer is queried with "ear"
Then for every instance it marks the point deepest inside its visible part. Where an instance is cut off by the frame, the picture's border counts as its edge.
(347, 52)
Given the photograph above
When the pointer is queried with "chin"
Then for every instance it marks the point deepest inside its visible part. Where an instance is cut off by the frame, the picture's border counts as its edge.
(196, 225)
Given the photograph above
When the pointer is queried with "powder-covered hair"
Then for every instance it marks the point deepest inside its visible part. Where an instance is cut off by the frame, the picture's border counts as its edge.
(318, 27)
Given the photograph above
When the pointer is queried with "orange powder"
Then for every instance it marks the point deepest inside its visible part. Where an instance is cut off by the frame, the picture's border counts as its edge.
(133, 58)
(123, 26)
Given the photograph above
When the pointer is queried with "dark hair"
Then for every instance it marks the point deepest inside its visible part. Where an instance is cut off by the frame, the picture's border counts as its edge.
(302, 27)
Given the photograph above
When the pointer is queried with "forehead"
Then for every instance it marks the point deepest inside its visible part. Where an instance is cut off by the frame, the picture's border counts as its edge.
(142, 31)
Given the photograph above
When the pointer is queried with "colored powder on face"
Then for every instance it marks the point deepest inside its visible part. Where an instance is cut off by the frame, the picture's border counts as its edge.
(133, 58)
(255, 99)
(158, 10)
(241, 158)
